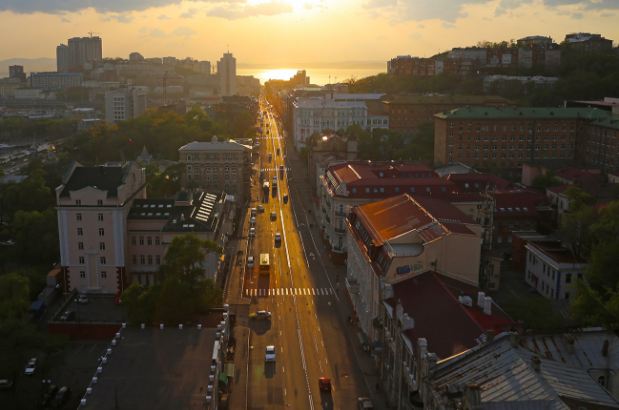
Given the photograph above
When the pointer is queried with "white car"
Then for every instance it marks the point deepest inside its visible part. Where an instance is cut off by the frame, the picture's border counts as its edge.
(269, 354)
(250, 261)
(31, 366)
(252, 232)
(252, 221)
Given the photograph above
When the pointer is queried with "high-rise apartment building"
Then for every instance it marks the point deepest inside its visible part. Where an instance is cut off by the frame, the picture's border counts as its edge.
(226, 70)
(92, 205)
(84, 50)
(218, 166)
(17, 72)
(125, 103)
(62, 58)
(51, 81)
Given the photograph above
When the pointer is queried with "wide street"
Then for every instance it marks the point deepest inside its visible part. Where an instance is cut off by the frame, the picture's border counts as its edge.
(307, 327)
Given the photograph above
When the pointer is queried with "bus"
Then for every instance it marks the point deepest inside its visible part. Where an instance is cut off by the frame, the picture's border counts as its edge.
(264, 263)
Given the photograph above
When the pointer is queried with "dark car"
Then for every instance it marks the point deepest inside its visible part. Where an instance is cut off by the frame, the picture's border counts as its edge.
(285, 198)
(324, 383)
(61, 397)
(51, 392)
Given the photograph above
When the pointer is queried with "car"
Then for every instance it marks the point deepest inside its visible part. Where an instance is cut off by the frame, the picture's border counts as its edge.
(82, 299)
(250, 261)
(252, 221)
(269, 354)
(324, 384)
(61, 397)
(68, 315)
(253, 211)
(31, 366)
(252, 232)
(278, 240)
(51, 392)
(260, 208)
(273, 216)
(260, 315)
(277, 152)
(363, 403)
(285, 198)
(6, 384)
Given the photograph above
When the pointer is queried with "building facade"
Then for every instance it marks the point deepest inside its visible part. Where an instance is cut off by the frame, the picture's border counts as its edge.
(125, 103)
(226, 70)
(92, 206)
(218, 166)
(84, 50)
(62, 58)
(552, 269)
(53, 81)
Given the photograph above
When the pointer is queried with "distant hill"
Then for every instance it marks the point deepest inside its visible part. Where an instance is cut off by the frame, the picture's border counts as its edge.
(30, 64)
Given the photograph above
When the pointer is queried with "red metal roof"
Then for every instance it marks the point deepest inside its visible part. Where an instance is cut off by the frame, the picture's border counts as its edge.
(370, 172)
(477, 182)
(517, 201)
(449, 326)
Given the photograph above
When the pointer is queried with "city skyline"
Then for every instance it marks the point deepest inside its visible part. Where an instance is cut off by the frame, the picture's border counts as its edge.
(265, 31)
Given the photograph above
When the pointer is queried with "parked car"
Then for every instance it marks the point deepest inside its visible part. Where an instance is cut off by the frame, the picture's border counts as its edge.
(260, 315)
(278, 240)
(253, 211)
(250, 261)
(260, 208)
(269, 354)
(61, 397)
(324, 384)
(68, 315)
(31, 366)
(363, 403)
(82, 298)
(49, 395)
(285, 198)
(6, 384)
(252, 221)
(252, 232)
(273, 216)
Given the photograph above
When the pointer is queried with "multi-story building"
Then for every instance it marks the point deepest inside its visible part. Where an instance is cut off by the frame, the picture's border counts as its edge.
(84, 50)
(407, 66)
(52, 81)
(152, 224)
(429, 312)
(62, 58)
(17, 72)
(226, 71)
(125, 103)
(506, 137)
(218, 166)
(600, 145)
(400, 237)
(316, 115)
(587, 42)
(407, 112)
(325, 150)
(552, 269)
(350, 183)
(92, 205)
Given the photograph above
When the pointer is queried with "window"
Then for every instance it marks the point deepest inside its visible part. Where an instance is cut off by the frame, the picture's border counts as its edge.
(102, 260)
(99, 202)
(101, 246)
(103, 274)
(157, 241)
(158, 259)
(101, 232)
(78, 216)
(81, 259)
(100, 217)
(82, 274)
(80, 232)
(149, 240)
(142, 260)
(568, 278)
(80, 246)
(78, 202)
(141, 240)
(150, 259)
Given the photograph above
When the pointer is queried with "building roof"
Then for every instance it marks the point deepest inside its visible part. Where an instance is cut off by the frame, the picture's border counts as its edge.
(608, 122)
(324, 102)
(517, 202)
(523, 112)
(368, 172)
(478, 182)
(505, 374)
(104, 177)
(427, 99)
(555, 251)
(214, 145)
(392, 217)
(432, 299)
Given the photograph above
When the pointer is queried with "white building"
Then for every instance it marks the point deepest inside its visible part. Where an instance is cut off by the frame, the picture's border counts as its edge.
(226, 70)
(552, 269)
(315, 115)
(124, 103)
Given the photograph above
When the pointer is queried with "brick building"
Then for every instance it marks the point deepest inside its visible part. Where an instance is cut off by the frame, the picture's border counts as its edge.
(506, 137)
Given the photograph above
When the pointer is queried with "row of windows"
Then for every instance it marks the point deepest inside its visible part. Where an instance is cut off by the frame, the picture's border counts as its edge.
(397, 189)
(513, 147)
(102, 260)
(78, 202)
(149, 240)
(78, 216)
(83, 274)
(80, 231)
(198, 157)
(80, 246)
(146, 259)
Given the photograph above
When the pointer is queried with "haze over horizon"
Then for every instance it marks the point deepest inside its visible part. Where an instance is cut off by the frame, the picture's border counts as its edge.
(284, 33)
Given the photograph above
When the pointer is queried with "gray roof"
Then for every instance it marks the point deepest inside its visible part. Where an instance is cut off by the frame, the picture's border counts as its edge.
(229, 145)
(104, 177)
(505, 374)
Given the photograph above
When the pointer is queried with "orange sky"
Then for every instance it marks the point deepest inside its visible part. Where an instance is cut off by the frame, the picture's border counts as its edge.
(285, 32)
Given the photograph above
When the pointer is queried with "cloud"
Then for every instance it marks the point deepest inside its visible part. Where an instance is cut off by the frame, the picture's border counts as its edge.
(183, 32)
(60, 6)
(189, 13)
(238, 10)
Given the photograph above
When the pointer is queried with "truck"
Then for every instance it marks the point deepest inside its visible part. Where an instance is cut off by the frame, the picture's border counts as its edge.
(274, 186)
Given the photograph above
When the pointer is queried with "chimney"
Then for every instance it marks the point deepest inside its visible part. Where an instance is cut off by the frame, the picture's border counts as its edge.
(536, 363)
(480, 299)
(472, 396)
(488, 305)
(407, 322)
(422, 346)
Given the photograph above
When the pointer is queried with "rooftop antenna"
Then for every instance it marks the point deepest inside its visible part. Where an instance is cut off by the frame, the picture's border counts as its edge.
(90, 33)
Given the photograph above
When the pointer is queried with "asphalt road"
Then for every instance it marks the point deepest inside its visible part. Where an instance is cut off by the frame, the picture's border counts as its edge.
(306, 326)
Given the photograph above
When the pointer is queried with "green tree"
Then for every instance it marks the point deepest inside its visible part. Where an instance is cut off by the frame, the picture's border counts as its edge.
(185, 257)
(545, 181)
(36, 236)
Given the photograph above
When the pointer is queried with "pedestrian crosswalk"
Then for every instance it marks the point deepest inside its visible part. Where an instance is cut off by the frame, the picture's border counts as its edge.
(271, 169)
(290, 292)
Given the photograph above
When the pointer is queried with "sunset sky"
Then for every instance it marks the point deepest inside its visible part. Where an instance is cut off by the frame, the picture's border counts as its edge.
(284, 32)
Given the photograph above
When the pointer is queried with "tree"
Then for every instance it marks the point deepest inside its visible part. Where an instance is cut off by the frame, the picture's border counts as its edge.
(36, 236)
(14, 298)
(545, 181)
(185, 256)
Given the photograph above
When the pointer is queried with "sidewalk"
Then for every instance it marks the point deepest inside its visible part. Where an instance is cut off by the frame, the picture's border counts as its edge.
(303, 188)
